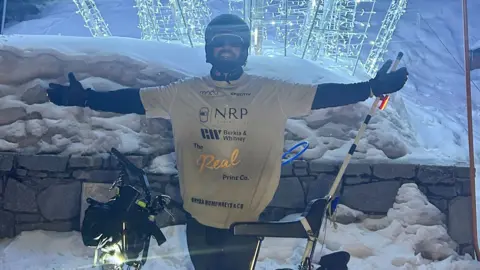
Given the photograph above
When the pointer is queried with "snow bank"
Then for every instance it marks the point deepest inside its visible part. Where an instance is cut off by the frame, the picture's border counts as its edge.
(411, 236)
(28, 123)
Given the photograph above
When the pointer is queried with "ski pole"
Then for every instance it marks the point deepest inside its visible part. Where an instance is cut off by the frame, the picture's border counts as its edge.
(384, 100)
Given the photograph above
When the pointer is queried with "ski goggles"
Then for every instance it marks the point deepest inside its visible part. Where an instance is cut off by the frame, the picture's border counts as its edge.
(221, 40)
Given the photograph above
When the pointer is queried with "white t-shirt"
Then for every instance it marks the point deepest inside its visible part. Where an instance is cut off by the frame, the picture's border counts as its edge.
(229, 140)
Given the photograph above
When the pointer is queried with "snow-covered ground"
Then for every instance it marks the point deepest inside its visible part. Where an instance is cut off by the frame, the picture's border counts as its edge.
(429, 128)
(412, 236)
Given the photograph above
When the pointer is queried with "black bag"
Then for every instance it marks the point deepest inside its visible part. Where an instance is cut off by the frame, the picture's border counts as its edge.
(104, 220)
(99, 224)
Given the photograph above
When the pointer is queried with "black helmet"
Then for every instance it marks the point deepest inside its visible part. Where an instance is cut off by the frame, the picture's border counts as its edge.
(227, 24)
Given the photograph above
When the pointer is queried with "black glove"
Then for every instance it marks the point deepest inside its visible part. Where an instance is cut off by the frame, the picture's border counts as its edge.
(387, 83)
(72, 95)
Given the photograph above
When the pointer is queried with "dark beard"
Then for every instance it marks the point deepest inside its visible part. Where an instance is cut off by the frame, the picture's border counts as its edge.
(226, 65)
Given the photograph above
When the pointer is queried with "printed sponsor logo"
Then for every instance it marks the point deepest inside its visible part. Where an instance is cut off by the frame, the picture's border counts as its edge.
(211, 134)
(222, 115)
(228, 177)
(226, 135)
(240, 94)
(204, 114)
(212, 162)
(230, 113)
(217, 203)
(211, 93)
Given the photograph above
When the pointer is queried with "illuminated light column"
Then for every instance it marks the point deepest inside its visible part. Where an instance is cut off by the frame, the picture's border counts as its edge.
(148, 23)
(92, 17)
(191, 19)
(181, 21)
(384, 36)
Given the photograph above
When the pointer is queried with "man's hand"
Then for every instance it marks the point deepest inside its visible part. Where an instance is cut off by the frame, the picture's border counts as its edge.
(72, 95)
(387, 83)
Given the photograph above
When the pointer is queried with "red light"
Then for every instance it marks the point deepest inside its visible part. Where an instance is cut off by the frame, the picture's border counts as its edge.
(384, 102)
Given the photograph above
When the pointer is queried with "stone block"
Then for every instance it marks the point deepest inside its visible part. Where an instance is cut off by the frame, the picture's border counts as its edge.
(28, 218)
(443, 191)
(96, 191)
(6, 162)
(376, 197)
(461, 172)
(467, 249)
(35, 173)
(307, 179)
(97, 176)
(138, 161)
(85, 162)
(289, 194)
(173, 217)
(41, 183)
(423, 189)
(321, 166)
(300, 164)
(60, 175)
(19, 197)
(358, 169)
(300, 171)
(436, 174)
(319, 187)
(57, 226)
(463, 187)
(157, 188)
(391, 171)
(353, 180)
(60, 202)
(159, 178)
(460, 220)
(441, 204)
(173, 192)
(7, 224)
(287, 170)
(21, 172)
(52, 163)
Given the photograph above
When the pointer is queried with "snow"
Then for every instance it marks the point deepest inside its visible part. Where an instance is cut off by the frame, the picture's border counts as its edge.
(425, 123)
(412, 236)
(85, 131)
(428, 112)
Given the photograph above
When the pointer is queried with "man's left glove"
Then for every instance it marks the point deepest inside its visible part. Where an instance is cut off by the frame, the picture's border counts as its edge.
(387, 83)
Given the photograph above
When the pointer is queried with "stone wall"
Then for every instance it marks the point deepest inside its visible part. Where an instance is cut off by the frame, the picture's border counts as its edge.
(45, 192)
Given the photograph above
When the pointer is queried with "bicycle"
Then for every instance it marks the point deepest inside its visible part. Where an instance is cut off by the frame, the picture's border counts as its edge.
(133, 225)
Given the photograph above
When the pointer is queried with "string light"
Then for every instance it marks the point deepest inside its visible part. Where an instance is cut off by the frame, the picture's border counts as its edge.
(147, 21)
(192, 17)
(338, 30)
(384, 36)
(181, 21)
(276, 25)
(92, 17)
(311, 29)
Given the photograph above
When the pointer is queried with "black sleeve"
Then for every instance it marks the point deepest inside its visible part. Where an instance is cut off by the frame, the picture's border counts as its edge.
(123, 101)
(333, 94)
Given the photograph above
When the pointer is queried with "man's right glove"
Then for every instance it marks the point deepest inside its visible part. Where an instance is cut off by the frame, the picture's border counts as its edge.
(386, 83)
(72, 95)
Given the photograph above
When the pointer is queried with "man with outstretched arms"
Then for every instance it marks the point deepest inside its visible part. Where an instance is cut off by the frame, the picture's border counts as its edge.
(228, 134)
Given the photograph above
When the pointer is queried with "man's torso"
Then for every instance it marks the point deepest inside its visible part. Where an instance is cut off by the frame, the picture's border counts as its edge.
(229, 143)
